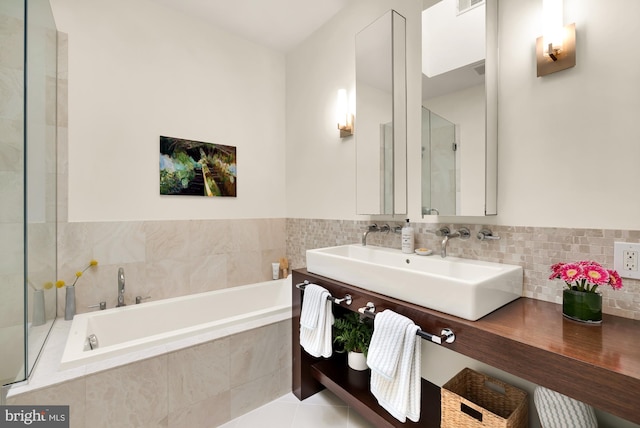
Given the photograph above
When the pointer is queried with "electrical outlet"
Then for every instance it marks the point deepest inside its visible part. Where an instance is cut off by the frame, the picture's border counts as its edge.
(629, 260)
(625, 259)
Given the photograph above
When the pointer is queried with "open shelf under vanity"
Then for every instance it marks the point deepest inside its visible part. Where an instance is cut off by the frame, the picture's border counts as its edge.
(352, 387)
(528, 338)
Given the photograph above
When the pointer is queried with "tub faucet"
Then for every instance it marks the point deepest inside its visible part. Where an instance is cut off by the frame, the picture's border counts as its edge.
(462, 233)
(120, 288)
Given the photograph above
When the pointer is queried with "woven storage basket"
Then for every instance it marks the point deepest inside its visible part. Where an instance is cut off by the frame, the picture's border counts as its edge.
(474, 400)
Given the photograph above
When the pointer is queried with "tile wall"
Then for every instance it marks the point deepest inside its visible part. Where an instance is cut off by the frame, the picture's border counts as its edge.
(205, 385)
(533, 248)
(163, 259)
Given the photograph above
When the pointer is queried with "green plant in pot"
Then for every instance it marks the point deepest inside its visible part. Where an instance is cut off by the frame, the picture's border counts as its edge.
(353, 335)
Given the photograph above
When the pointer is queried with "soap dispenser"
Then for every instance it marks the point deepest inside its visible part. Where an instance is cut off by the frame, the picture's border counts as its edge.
(407, 238)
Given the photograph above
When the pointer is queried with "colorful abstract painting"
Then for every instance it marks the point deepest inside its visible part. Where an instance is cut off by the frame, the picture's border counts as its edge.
(195, 168)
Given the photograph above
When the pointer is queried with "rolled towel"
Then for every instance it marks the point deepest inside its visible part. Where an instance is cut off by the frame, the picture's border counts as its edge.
(394, 358)
(316, 319)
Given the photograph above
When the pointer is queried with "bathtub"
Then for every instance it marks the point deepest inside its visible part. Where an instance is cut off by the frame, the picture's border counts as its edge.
(178, 321)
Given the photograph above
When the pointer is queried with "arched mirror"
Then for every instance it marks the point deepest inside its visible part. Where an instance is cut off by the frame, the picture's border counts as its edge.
(381, 124)
(459, 107)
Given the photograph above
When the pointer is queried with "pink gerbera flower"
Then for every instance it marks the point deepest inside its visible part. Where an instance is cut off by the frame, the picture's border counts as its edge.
(588, 263)
(555, 270)
(614, 280)
(585, 275)
(595, 274)
(571, 272)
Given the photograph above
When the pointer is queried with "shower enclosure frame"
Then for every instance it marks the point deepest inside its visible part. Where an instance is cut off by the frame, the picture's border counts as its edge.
(28, 167)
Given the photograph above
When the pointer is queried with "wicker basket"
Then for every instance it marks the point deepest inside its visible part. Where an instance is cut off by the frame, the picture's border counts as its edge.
(474, 400)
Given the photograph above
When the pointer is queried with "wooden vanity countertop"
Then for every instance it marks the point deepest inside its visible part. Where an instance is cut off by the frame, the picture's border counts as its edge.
(597, 364)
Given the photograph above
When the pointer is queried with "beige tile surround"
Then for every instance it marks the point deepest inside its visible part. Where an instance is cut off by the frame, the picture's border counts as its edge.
(205, 385)
(533, 248)
(165, 259)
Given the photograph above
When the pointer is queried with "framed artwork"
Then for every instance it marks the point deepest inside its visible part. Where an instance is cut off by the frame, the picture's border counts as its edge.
(196, 168)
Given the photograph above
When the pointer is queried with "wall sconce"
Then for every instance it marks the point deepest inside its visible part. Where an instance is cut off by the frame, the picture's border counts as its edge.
(344, 115)
(556, 49)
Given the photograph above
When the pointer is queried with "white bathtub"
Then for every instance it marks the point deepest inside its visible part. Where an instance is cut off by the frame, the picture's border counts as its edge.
(207, 315)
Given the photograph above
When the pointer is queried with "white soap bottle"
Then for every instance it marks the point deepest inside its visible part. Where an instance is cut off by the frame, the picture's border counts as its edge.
(407, 238)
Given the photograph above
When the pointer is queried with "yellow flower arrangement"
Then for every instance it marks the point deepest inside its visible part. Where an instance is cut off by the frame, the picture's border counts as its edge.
(60, 283)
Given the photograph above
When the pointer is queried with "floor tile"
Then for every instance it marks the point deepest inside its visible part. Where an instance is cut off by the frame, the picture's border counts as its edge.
(316, 416)
(321, 410)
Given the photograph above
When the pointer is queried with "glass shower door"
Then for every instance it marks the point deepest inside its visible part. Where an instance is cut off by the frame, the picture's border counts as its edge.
(440, 177)
(27, 183)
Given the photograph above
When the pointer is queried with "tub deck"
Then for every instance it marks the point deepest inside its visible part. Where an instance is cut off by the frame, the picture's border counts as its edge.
(52, 369)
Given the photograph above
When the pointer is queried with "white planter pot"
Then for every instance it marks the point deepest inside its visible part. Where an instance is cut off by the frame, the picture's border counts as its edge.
(357, 361)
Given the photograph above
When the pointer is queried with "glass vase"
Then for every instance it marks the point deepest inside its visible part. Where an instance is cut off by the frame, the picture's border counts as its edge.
(582, 306)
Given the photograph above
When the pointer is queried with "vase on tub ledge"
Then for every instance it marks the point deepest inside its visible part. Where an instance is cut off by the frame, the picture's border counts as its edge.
(70, 291)
(69, 302)
(582, 306)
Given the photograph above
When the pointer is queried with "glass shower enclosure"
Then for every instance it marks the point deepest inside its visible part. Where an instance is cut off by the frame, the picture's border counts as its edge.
(28, 123)
(440, 165)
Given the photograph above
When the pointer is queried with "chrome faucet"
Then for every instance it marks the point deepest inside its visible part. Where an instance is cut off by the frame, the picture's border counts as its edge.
(462, 233)
(374, 228)
(120, 288)
(371, 228)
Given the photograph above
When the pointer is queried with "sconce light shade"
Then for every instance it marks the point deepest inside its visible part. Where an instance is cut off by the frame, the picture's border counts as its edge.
(552, 58)
(344, 116)
(552, 23)
(556, 49)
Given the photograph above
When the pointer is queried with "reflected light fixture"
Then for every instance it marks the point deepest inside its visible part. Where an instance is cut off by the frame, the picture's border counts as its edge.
(556, 48)
(344, 115)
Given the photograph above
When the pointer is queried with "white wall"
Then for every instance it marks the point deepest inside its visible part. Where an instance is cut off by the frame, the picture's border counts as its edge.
(568, 142)
(138, 70)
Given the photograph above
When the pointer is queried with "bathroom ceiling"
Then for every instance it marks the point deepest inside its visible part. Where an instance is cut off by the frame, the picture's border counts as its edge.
(278, 24)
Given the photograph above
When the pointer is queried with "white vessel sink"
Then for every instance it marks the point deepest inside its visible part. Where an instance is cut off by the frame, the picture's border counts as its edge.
(465, 288)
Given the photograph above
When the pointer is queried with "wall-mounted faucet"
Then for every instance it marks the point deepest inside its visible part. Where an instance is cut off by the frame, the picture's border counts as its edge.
(374, 228)
(120, 288)
(462, 233)
(371, 228)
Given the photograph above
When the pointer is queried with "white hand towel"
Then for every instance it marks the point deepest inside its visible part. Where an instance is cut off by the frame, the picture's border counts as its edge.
(316, 319)
(394, 358)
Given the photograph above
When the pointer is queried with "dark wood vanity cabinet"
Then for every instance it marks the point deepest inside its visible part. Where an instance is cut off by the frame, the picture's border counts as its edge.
(528, 338)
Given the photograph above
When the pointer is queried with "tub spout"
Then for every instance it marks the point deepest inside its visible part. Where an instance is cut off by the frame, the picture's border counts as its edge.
(120, 288)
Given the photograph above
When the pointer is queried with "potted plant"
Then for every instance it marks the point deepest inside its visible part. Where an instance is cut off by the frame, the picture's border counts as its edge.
(353, 335)
(580, 300)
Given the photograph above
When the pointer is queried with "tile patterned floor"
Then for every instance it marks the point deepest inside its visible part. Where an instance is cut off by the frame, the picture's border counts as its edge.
(318, 411)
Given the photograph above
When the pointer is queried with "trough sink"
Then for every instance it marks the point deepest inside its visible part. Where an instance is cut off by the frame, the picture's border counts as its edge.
(468, 289)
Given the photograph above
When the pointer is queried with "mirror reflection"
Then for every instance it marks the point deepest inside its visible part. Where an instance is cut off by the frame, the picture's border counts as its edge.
(381, 162)
(455, 110)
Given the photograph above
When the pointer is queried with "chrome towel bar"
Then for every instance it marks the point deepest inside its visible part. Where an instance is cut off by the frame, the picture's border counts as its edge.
(446, 334)
(347, 299)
